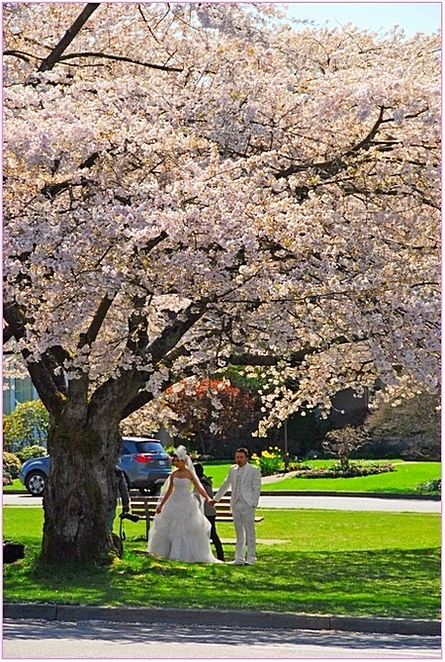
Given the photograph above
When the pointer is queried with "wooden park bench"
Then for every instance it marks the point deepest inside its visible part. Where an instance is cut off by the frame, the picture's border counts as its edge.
(145, 508)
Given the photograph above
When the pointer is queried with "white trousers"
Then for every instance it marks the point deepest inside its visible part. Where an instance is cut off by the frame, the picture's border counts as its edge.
(244, 521)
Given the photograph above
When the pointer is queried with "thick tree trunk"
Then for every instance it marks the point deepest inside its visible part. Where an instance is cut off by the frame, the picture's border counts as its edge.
(80, 491)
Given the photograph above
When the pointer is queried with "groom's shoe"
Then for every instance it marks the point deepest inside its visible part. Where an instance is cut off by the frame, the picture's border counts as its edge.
(235, 562)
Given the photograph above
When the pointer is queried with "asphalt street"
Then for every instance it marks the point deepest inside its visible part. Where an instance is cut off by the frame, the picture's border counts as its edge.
(34, 639)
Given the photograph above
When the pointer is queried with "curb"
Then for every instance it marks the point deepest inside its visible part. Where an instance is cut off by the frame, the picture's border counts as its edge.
(227, 618)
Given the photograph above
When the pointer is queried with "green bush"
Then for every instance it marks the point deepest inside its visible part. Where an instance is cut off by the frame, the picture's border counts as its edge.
(30, 452)
(430, 487)
(11, 464)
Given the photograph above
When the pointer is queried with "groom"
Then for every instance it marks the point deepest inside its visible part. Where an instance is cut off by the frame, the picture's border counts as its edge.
(245, 483)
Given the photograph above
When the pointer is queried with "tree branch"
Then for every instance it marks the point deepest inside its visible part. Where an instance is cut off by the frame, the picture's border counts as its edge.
(51, 60)
(141, 399)
(365, 143)
(246, 358)
(8, 333)
(121, 58)
(333, 166)
(26, 57)
(41, 372)
(96, 323)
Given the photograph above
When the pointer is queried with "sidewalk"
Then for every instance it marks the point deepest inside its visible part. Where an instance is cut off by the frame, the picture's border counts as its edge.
(235, 618)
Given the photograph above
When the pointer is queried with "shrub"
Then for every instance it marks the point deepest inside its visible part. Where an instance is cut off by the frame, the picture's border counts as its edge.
(269, 462)
(30, 452)
(11, 464)
(430, 487)
(7, 480)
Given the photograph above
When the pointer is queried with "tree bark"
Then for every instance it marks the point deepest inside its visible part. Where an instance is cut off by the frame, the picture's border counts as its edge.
(84, 442)
(80, 492)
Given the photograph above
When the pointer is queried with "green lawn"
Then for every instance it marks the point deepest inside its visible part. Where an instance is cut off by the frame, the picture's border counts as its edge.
(406, 477)
(355, 563)
(16, 485)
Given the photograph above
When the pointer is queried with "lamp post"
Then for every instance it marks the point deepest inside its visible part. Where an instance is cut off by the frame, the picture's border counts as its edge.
(286, 450)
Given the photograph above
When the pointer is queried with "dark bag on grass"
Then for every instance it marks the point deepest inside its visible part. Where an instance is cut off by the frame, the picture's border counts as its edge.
(13, 551)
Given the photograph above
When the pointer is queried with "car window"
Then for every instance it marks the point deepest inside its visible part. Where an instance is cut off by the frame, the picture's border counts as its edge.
(148, 447)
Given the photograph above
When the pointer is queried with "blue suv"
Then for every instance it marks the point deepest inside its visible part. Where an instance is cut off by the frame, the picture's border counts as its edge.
(144, 462)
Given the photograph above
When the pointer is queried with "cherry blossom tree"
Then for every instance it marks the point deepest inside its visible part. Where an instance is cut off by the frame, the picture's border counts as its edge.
(196, 185)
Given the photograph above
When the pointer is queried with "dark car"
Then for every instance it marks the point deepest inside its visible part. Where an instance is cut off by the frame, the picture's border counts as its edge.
(144, 462)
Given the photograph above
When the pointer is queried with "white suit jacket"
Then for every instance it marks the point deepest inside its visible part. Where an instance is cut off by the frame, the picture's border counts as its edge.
(250, 485)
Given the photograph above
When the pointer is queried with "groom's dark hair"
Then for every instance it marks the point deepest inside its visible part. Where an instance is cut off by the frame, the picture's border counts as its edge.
(199, 469)
(243, 450)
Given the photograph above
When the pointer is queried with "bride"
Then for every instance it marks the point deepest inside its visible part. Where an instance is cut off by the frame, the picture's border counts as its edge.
(180, 531)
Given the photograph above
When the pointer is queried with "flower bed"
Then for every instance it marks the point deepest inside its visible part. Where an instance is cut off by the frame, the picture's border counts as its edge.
(269, 462)
(350, 471)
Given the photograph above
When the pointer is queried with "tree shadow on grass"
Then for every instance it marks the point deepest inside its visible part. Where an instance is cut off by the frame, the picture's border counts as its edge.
(396, 583)
(403, 583)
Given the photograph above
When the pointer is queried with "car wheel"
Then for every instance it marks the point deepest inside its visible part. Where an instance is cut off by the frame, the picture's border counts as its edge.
(35, 483)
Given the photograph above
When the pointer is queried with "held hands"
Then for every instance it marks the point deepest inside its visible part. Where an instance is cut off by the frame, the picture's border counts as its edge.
(211, 502)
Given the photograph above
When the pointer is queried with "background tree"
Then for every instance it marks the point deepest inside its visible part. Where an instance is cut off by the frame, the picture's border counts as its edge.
(26, 426)
(408, 428)
(188, 186)
(212, 413)
(343, 442)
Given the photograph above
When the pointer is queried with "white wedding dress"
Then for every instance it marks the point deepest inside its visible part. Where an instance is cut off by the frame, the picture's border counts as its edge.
(181, 531)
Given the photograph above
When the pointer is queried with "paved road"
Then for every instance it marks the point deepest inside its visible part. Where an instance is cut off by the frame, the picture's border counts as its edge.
(306, 501)
(98, 639)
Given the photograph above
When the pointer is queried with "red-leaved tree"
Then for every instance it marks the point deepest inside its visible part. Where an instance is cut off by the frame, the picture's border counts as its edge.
(209, 412)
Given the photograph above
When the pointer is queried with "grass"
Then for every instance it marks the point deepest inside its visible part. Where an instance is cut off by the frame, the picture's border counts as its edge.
(406, 477)
(378, 564)
(16, 485)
